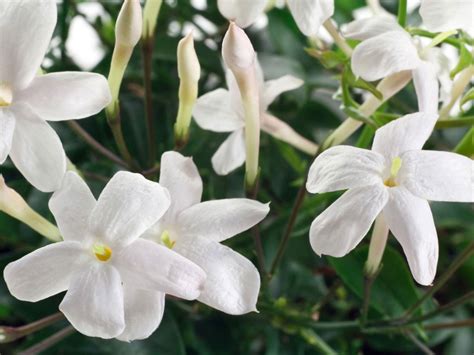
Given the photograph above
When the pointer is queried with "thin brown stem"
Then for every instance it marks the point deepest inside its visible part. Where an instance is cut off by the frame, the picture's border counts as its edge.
(418, 343)
(9, 334)
(99, 148)
(443, 278)
(48, 342)
(458, 324)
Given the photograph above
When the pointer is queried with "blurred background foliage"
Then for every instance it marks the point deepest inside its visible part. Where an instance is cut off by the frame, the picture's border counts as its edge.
(306, 289)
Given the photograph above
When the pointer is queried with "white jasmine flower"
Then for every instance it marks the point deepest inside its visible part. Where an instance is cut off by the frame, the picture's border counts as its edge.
(115, 281)
(27, 102)
(195, 229)
(446, 15)
(309, 15)
(387, 49)
(222, 110)
(396, 179)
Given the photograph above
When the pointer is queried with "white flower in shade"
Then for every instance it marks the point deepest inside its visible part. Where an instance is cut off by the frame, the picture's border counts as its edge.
(387, 49)
(309, 15)
(27, 101)
(222, 110)
(446, 15)
(195, 229)
(395, 179)
(115, 282)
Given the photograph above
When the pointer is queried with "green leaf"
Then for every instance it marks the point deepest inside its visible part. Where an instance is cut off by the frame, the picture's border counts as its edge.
(329, 59)
(465, 60)
(359, 83)
(393, 291)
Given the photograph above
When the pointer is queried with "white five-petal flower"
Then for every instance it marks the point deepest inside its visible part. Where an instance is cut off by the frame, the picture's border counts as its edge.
(395, 179)
(222, 110)
(195, 229)
(27, 101)
(115, 282)
(386, 49)
(309, 15)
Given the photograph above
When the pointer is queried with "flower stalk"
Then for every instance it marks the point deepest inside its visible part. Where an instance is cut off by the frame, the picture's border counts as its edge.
(402, 12)
(127, 35)
(338, 39)
(189, 72)
(377, 246)
(9, 334)
(15, 206)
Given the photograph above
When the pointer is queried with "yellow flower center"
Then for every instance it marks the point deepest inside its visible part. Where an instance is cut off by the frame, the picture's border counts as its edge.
(166, 239)
(394, 169)
(102, 252)
(6, 95)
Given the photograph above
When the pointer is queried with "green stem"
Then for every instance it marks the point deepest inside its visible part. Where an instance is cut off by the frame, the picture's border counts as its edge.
(402, 12)
(423, 33)
(442, 279)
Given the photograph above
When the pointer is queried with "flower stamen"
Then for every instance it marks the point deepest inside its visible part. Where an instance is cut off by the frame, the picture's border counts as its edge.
(166, 239)
(394, 169)
(102, 252)
(6, 95)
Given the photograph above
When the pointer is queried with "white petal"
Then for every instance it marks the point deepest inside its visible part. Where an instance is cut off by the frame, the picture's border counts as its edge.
(274, 88)
(150, 266)
(344, 167)
(446, 15)
(409, 132)
(72, 205)
(143, 313)
(7, 127)
(26, 28)
(127, 207)
(94, 301)
(243, 12)
(67, 95)
(233, 283)
(411, 222)
(219, 220)
(310, 14)
(181, 177)
(342, 225)
(37, 150)
(371, 27)
(438, 176)
(383, 55)
(427, 89)
(231, 153)
(44, 272)
(214, 112)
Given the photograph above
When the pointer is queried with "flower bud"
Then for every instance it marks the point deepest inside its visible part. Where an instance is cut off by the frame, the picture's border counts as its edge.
(377, 246)
(237, 50)
(150, 16)
(189, 72)
(128, 27)
(15, 206)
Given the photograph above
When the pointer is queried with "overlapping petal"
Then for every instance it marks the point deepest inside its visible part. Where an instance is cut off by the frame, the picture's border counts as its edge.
(26, 28)
(7, 128)
(181, 177)
(66, 95)
(411, 222)
(143, 313)
(219, 220)
(127, 207)
(409, 132)
(366, 28)
(383, 55)
(149, 266)
(345, 167)
(94, 302)
(72, 205)
(274, 88)
(215, 112)
(342, 226)
(446, 15)
(37, 151)
(438, 176)
(231, 153)
(232, 284)
(309, 15)
(44, 272)
(426, 84)
(242, 12)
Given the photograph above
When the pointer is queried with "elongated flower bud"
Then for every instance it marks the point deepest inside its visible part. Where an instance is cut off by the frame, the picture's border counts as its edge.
(239, 56)
(127, 34)
(377, 246)
(15, 206)
(189, 72)
(150, 16)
